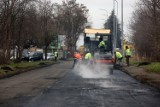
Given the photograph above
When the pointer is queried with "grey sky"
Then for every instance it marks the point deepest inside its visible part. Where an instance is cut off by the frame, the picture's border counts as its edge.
(100, 9)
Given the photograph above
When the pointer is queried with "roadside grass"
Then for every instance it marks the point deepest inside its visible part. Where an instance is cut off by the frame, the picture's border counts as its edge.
(153, 67)
(2, 72)
(26, 64)
(135, 62)
(13, 68)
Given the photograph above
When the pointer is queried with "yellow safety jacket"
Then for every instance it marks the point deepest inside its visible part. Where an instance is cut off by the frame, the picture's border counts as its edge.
(118, 55)
(88, 56)
(128, 52)
(101, 44)
(56, 54)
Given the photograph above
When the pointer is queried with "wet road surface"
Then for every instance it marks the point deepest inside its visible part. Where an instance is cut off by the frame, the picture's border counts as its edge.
(97, 89)
(93, 87)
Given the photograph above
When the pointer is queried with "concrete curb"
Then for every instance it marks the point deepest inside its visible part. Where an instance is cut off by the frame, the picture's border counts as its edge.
(141, 75)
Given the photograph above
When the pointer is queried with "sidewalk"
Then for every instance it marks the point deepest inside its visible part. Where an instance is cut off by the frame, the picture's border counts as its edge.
(140, 74)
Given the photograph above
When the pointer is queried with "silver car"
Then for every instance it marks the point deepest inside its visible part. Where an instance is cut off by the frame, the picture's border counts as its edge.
(50, 56)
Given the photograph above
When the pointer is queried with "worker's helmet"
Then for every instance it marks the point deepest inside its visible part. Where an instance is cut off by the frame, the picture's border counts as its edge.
(117, 49)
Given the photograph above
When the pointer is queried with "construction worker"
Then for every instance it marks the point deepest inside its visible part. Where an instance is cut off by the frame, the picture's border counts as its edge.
(77, 56)
(127, 55)
(118, 57)
(56, 55)
(88, 57)
(101, 45)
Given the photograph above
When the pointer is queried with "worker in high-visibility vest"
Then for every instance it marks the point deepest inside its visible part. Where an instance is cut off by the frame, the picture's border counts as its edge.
(127, 55)
(88, 57)
(101, 45)
(118, 56)
(56, 55)
(77, 56)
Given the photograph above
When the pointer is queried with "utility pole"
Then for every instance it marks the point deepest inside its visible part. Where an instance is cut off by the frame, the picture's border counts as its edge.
(116, 27)
(122, 27)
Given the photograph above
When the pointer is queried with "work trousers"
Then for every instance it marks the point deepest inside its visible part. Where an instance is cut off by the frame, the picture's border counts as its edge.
(75, 62)
(118, 61)
(55, 58)
(127, 60)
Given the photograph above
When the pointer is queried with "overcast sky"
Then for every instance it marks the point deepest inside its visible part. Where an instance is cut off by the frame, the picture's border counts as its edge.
(100, 9)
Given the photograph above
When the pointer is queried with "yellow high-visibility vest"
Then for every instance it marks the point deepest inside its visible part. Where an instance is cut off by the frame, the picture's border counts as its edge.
(128, 52)
(88, 56)
(118, 55)
(56, 54)
(101, 44)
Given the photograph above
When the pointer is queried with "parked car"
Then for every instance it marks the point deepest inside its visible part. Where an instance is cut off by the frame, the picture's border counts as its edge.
(50, 56)
(33, 56)
(25, 55)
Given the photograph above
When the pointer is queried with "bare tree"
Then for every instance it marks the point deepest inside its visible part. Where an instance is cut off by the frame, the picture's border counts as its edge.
(145, 25)
(72, 20)
(26, 22)
(46, 24)
(10, 11)
(21, 18)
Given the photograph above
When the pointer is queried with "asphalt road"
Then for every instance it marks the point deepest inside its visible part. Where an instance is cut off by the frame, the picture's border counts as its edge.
(93, 86)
